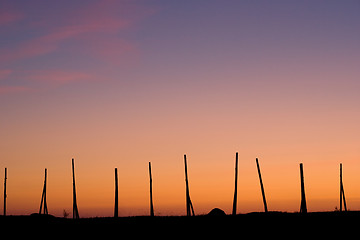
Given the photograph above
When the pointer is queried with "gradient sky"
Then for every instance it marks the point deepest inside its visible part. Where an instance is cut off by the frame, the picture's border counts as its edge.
(121, 83)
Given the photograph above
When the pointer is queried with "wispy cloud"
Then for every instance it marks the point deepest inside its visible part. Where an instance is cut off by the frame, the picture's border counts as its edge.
(9, 17)
(50, 42)
(13, 89)
(96, 30)
(58, 77)
(99, 25)
(4, 73)
(41, 79)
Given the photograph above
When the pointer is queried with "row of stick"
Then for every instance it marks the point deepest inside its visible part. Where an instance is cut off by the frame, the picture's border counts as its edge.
(189, 206)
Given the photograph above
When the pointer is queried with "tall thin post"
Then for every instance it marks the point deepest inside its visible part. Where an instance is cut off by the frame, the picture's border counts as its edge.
(236, 181)
(5, 178)
(342, 193)
(43, 197)
(116, 207)
(261, 185)
(303, 208)
(75, 208)
(189, 206)
(151, 197)
(340, 187)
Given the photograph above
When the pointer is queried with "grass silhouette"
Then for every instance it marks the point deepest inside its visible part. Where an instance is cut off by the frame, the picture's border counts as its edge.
(271, 224)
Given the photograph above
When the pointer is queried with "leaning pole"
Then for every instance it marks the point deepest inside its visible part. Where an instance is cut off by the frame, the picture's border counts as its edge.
(303, 208)
(43, 203)
(342, 193)
(189, 206)
(262, 186)
(75, 208)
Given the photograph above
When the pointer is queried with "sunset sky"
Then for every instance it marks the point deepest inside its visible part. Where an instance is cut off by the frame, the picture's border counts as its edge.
(121, 83)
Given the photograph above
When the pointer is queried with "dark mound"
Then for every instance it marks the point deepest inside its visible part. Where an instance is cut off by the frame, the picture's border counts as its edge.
(216, 212)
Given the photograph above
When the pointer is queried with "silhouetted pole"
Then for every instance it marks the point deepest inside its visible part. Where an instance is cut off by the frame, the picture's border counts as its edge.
(189, 205)
(236, 180)
(342, 193)
(151, 197)
(116, 208)
(43, 197)
(5, 178)
(261, 185)
(303, 208)
(75, 208)
(340, 187)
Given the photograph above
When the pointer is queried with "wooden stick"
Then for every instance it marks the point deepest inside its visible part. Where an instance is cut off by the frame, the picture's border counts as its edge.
(236, 181)
(75, 208)
(303, 208)
(340, 187)
(5, 178)
(187, 189)
(151, 197)
(261, 185)
(45, 187)
(189, 206)
(342, 193)
(43, 197)
(116, 207)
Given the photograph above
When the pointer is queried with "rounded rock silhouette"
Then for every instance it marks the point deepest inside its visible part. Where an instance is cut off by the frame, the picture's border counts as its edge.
(216, 212)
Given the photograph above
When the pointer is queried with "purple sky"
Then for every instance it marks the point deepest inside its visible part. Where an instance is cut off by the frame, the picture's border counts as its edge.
(151, 80)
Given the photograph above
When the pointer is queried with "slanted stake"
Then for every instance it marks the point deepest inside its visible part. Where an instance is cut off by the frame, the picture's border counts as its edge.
(262, 186)
(189, 205)
(303, 208)
(236, 180)
(43, 197)
(342, 193)
(75, 208)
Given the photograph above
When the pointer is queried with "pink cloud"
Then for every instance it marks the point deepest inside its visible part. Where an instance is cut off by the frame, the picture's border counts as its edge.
(58, 76)
(50, 42)
(96, 24)
(25, 50)
(4, 73)
(9, 17)
(92, 31)
(45, 79)
(98, 18)
(13, 89)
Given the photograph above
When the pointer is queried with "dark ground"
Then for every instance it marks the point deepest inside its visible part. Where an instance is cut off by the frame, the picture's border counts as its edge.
(251, 225)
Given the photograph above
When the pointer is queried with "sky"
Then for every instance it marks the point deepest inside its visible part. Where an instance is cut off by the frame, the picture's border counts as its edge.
(118, 84)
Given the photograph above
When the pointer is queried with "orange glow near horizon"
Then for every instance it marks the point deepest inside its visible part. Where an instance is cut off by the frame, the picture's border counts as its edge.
(118, 84)
(210, 141)
(211, 185)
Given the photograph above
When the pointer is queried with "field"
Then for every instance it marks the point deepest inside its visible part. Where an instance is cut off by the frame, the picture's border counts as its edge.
(250, 225)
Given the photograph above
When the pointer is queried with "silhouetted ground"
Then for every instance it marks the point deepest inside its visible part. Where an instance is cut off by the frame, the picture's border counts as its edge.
(251, 225)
